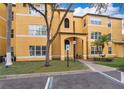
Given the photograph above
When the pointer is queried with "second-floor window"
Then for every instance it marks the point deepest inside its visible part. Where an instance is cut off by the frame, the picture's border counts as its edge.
(40, 7)
(84, 22)
(95, 21)
(110, 36)
(37, 30)
(95, 35)
(66, 23)
(109, 23)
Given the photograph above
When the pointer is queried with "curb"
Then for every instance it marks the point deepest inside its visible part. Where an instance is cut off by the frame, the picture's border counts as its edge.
(17, 76)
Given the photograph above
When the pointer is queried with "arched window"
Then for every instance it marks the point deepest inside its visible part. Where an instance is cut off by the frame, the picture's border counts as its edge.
(66, 23)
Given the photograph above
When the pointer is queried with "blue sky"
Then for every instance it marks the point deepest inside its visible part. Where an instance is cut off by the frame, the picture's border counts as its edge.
(83, 8)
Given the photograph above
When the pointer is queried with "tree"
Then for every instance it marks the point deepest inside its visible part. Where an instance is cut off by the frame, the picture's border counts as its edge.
(49, 24)
(100, 7)
(8, 31)
(101, 42)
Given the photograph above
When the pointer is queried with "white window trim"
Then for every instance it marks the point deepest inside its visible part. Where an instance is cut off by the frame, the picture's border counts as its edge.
(94, 49)
(95, 19)
(35, 52)
(36, 14)
(1, 37)
(30, 56)
(30, 36)
(2, 18)
(35, 29)
(110, 21)
(110, 50)
(94, 35)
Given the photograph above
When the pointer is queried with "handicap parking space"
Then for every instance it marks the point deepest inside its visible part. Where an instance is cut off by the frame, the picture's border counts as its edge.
(24, 83)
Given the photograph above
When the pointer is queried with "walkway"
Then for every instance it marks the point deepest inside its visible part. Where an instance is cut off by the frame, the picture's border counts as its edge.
(109, 72)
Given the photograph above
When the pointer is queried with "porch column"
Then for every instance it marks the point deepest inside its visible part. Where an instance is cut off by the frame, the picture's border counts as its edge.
(62, 49)
(84, 48)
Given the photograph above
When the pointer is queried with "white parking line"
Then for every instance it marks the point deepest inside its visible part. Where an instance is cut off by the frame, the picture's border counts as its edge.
(107, 76)
(49, 83)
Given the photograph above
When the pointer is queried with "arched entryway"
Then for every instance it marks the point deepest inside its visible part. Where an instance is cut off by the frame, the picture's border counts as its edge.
(77, 49)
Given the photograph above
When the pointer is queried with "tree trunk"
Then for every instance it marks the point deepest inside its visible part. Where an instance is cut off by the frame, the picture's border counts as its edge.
(8, 32)
(47, 54)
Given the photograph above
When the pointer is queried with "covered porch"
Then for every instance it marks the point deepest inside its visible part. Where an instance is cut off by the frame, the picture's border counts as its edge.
(77, 44)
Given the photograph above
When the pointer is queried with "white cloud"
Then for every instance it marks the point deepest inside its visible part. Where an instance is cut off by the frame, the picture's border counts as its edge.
(82, 11)
(111, 11)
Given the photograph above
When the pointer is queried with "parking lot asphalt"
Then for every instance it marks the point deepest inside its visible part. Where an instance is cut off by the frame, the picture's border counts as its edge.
(88, 80)
(115, 74)
(24, 83)
(91, 80)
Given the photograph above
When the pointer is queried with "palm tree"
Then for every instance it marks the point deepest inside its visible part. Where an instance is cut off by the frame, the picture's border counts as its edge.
(8, 31)
(101, 42)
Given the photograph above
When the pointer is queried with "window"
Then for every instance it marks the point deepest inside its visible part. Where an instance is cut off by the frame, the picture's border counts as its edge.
(110, 36)
(109, 50)
(122, 24)
(43, 50)
(37, 30)
(37, 50)
(109, 23)
(40, 7)
(84, 22)
(95, 35)
(24, 4)
(12, 33)
(95, 21)
(12, 16)
(66, 23)
(12, 51)
(94, 50)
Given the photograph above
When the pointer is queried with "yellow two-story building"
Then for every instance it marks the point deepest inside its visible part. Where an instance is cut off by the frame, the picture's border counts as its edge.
(2, 29)
(29, 36)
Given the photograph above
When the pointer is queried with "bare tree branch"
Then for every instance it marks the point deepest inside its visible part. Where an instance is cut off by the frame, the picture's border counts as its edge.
(31, 5)
(52, 16)
(57, 31)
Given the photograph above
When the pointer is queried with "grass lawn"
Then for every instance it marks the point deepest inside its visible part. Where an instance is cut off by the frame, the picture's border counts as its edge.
(117, 62)
(38, 67)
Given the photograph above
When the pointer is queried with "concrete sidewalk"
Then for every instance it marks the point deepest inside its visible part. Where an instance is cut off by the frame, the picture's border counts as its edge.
(17, 76)
(98, 67)
(108, 72)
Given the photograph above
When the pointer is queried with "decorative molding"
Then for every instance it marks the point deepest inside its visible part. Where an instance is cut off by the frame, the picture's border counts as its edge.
(2, 18)
(97, 25)
(31, 36)
(30, 56)
(1, 37)
(98, 55)
(19, 14)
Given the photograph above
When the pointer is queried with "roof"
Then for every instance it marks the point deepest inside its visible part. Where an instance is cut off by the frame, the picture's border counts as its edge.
(64, 10)
(99, 15)
(118, 42)
(72, 33)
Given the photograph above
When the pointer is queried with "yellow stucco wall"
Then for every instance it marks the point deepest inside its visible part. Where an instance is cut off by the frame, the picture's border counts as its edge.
(22, 40)
(2, 29)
